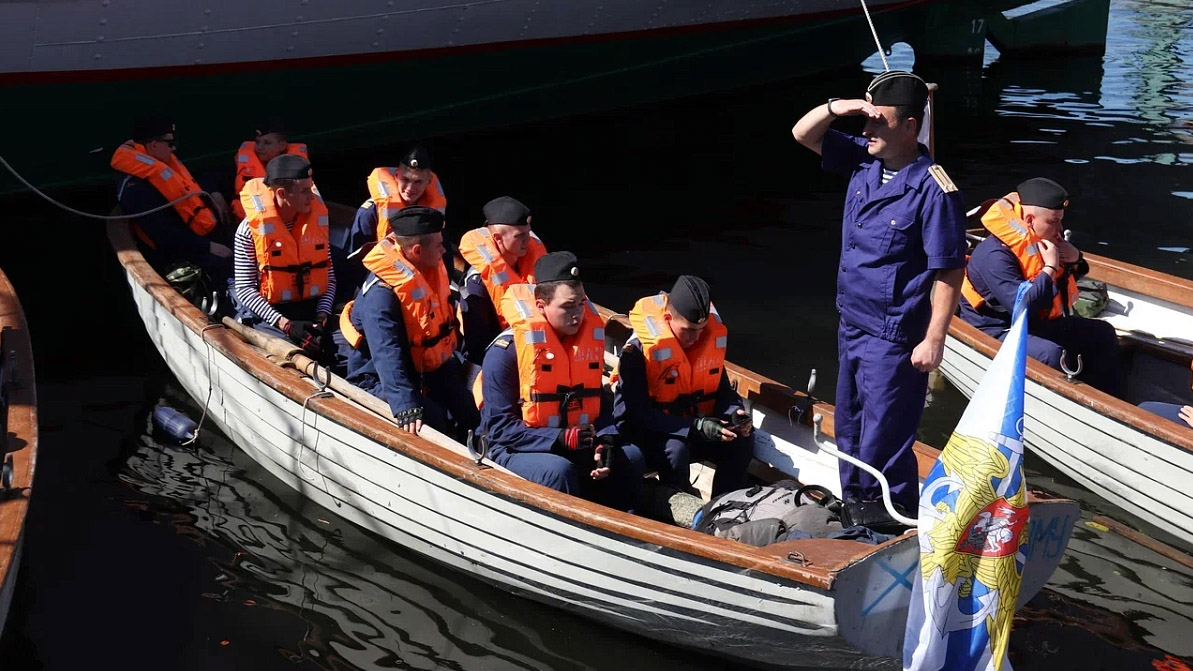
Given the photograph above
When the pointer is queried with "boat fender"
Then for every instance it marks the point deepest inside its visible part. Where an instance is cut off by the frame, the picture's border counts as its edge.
(174, 424)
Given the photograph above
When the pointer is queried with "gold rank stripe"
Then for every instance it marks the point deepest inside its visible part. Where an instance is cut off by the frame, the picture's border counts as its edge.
(942, 179)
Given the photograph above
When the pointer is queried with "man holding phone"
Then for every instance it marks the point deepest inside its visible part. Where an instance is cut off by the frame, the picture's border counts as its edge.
(672, 397)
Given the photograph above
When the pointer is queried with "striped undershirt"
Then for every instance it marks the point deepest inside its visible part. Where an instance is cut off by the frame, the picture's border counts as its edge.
(248, 279)
(888, 175)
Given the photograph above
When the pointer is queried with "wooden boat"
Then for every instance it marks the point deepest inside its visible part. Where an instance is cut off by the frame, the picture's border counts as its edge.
(18, 406)
(797, 603)
(1135, 460)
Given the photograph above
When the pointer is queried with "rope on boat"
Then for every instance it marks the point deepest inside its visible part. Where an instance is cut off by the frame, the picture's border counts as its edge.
(878, 43)
(210, 385)
(88, 215)
(877, 474)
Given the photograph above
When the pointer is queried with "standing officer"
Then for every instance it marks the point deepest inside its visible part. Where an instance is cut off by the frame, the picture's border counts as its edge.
(541, 382)
(673, 397)
(500, 255)
(902, 261)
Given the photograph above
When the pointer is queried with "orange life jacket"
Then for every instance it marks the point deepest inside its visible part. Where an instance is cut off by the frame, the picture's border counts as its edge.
(426, 306)
(480, 251)
(1004, 220)
(558, 384)
(248, 166)
(680, 382)
(292, 263)
(383, 188)
(172, 180)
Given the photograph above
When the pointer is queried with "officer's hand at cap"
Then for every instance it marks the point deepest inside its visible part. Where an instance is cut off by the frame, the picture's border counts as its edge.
(927, 355)
(216, 249)
(1049, 252)
(856, 107)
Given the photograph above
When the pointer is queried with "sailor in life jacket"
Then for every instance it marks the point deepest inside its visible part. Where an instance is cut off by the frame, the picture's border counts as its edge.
(500, 255)
(402, 328)
(253, 155)
(285, 282)
(672, 396)
(541, 383)
(153, 177)
(1026, 243)
(412, 182)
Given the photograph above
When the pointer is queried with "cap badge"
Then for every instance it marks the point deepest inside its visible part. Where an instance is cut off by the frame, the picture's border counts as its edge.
(575, 271)
(414, 163)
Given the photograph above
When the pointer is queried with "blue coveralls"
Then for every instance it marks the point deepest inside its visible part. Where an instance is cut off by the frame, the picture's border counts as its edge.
(533, 452)
(894, 238)
(995, 274)
(383, 367)
(175, 241)
(669, 441)
(478, 318)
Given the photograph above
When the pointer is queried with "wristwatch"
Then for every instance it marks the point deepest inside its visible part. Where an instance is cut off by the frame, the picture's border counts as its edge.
(829, 106)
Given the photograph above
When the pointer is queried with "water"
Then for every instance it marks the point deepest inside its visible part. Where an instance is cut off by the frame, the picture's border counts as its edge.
(153, 556)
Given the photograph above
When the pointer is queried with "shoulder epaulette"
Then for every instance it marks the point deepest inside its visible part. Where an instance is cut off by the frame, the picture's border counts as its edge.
(368, 204)
(942, 179)
(502, 342)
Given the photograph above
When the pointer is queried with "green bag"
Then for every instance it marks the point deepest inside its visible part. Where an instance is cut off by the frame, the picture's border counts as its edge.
(189, 280)
(1092, 298)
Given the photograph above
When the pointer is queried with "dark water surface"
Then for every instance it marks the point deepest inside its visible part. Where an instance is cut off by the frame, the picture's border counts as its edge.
(145, 556)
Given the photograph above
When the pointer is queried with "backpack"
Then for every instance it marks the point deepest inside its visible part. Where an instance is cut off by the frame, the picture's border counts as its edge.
(764, 514)
(189, 280)
(1092, 298)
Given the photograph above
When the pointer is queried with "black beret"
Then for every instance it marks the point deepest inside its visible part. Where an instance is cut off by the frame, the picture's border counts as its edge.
(151, 126)
(1043, 192)
(689, 298)
(556, 267)
(416, 220)
(417, 158)
(271, 124)
(287, 166)
(506, 210)
(897, 88)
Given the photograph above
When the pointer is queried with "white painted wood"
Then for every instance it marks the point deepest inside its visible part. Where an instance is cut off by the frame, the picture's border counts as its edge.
(1134, 470)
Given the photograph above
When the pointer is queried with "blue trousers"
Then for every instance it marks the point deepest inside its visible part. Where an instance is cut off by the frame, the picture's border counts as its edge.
(880, 398)
(1094, 339)
(672, 458)
(1169, 411)
(444, 392)
(569, 473)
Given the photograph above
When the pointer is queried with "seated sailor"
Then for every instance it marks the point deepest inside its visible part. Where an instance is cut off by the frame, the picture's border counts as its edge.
(252, 157)
(541, 382)
(672, 396)
(1026, 243)
(285, 282)
(402, 328)
(189, 230)
(500, 254)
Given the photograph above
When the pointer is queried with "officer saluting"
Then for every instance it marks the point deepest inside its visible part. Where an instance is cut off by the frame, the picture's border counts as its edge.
(902, 261)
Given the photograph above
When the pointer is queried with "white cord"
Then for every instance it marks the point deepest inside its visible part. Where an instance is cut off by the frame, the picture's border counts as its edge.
(885, 66)
(101, 217)
(874, 472)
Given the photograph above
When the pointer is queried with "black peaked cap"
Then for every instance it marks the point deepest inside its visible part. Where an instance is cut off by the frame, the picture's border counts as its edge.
(416, 221)
(690, 298)
(557, 267)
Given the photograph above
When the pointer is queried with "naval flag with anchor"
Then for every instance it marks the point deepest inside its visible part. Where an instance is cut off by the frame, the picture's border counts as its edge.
(973, 526)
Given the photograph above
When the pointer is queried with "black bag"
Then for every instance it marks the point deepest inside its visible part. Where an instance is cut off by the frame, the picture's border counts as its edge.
(760, 515)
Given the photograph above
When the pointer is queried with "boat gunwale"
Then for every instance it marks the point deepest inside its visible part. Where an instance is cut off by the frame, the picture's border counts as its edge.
(1126, 276)
(22, 438)
(819, 573)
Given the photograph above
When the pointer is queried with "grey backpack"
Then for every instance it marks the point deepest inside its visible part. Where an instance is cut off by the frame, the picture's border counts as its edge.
(764, 514)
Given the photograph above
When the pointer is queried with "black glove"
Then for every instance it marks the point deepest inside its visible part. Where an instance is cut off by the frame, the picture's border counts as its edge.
(307, 335)
(604, 450)
(708, 428)
(577, 437)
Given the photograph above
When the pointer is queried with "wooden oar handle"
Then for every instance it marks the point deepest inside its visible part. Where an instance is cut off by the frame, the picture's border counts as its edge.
(272, 345)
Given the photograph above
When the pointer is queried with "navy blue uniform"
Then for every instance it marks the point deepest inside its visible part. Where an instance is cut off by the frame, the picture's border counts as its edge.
(174, 240)
(995, 274)
(534, 453)
(478, 318)
(669, 441)
(363, 232)
(894, 239)
(382, 364)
